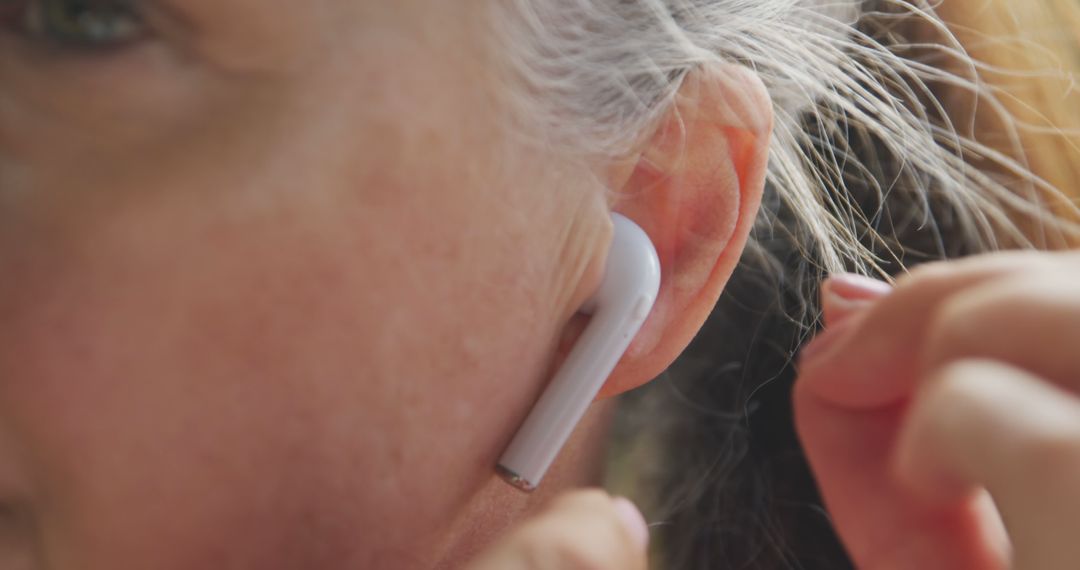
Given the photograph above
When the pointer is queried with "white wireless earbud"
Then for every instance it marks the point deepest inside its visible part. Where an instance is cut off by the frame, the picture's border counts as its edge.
(618, 308)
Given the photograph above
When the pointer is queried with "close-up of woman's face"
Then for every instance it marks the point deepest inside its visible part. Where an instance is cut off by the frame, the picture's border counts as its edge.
(276, 286)
(283, 283)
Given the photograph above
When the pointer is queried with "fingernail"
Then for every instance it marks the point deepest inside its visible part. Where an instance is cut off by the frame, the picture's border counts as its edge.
(633, 521)
(847, 294)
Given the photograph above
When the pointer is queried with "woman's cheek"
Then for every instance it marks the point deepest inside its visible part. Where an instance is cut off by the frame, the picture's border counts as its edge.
(187, 364)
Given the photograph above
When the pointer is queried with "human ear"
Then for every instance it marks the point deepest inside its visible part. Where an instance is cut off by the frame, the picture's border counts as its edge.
(687, 206)
(695, 189)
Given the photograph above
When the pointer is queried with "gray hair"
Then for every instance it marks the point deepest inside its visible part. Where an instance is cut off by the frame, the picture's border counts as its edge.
(591, 75)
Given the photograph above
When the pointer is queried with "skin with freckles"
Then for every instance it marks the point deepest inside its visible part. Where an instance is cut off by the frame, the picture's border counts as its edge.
(278, 287)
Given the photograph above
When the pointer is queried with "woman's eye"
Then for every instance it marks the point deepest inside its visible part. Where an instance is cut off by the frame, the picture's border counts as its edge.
(76, 23)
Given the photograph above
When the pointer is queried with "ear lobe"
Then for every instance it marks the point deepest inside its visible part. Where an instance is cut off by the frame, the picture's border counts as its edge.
(695, 190)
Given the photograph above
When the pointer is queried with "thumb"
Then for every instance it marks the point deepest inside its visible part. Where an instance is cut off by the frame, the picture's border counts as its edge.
(587, 529)
(986, 424)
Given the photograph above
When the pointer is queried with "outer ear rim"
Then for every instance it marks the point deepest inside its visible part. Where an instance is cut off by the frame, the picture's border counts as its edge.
(723, 112)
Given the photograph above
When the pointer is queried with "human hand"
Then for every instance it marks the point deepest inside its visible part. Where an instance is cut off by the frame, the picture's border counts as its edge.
(586, 530)
(927, 410)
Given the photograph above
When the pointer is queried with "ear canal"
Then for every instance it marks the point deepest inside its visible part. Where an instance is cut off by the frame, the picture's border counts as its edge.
(618, 308)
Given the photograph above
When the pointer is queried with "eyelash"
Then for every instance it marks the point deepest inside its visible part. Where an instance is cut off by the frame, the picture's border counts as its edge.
(75, 24)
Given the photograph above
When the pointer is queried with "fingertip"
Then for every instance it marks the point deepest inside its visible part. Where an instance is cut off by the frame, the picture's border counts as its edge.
(633, 522)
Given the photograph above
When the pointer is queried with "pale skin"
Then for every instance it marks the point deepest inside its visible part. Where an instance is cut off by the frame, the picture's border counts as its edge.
(937, 412)
(278, 287)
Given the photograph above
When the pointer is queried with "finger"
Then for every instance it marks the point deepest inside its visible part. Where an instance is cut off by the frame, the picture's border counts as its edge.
(850, 451)
(985, 424)
(581, 531)
(872, 359)
(1030, 322)
(849, 447)
(850, 399)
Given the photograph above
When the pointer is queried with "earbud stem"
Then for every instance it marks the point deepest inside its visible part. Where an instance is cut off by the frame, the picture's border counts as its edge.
(619, 309)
